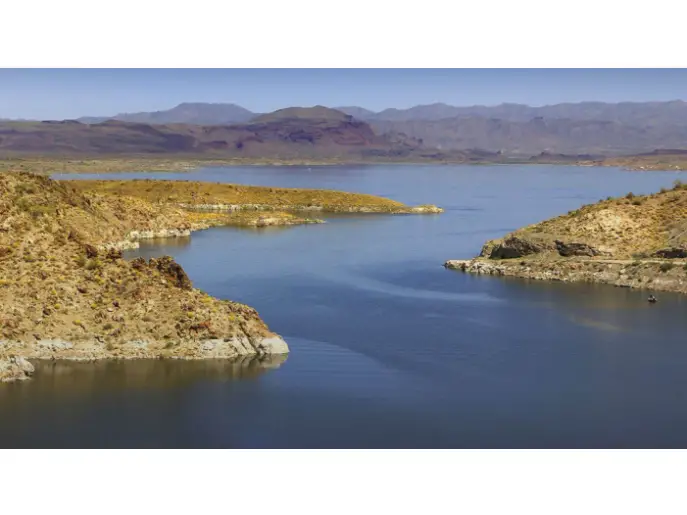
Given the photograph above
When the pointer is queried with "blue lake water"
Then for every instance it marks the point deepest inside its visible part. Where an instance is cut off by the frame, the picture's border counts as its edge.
(389, 349)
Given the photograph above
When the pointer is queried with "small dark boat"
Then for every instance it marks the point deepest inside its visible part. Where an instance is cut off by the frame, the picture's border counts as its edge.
(652, 299)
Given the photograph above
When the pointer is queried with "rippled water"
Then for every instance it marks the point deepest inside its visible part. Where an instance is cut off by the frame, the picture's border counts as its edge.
(388, 348)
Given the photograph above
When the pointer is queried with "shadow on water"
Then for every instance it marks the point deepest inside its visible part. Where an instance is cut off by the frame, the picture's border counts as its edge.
(126, 404)
(63, 377)
(179, 242)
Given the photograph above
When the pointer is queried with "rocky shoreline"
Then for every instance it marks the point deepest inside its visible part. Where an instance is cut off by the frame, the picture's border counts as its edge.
(232, 208)
(133, 238)
(17, 367)
(640, 274)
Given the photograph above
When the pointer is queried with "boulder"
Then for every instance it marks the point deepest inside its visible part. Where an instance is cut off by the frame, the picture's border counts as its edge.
(91, 251)
(172, 271)
(426, 208)
(567, 249)
(15, 368)
(113, 254)
(671, 253)
(515, 247)
(273, 345)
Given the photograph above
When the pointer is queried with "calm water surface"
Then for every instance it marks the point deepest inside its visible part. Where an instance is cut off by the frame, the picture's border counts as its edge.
(388, 348)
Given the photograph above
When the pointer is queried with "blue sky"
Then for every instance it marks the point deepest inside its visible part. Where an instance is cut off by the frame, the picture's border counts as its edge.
(70, 93)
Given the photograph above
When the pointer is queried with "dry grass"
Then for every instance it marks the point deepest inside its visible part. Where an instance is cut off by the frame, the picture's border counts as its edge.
(624, 226)
(56, 284)
(199, 193)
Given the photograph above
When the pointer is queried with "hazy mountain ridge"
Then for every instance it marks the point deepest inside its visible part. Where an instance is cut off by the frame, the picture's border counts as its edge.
(513, 129)
(674, 111)
(199, 113)
(292, 133)
(195, 113)
(540, 135)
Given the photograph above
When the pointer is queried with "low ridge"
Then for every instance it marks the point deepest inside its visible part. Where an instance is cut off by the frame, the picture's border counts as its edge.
(633, 241)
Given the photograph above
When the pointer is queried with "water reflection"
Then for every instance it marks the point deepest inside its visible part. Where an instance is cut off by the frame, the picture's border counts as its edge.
(178, 242)
(64, 377)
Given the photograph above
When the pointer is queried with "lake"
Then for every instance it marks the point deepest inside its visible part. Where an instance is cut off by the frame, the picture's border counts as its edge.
(389, 349)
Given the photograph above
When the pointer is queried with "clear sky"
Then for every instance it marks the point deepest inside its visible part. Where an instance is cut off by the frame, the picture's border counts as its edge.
(71, 93)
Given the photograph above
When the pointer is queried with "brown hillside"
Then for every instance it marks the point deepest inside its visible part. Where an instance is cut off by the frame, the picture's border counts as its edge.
(632, 226)
(61, 296)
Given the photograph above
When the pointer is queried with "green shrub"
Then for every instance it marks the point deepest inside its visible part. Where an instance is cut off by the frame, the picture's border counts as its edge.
(24, 189)
(23, 204)
(93, 264)
(665, 267)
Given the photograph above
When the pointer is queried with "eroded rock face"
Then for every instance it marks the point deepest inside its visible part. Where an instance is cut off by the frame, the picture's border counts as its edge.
(91, 251)
(273, 345)
(15, 368)
(173, 271)
(567, 249)
(515, 247)
(671, 253)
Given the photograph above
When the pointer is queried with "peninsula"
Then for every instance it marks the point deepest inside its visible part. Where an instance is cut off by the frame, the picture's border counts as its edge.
(633, 241)
(67, 293)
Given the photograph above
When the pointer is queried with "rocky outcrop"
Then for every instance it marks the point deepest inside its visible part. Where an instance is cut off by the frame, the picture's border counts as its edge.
(515, 247)
(162, 233)
(168, 268)
(15, 368)
(475, 266)
(576, 249)
(427, 208)
(518, 246)
(671, 253)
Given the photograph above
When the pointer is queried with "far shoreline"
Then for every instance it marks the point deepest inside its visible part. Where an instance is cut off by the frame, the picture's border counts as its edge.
(136, 163)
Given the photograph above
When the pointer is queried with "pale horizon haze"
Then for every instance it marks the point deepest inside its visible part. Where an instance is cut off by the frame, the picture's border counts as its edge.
(61, 93)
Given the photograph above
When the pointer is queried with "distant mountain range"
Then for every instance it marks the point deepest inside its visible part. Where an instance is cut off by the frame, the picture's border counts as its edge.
(193, 113)
(595, 128)
(633, 113)
(292, 133)
(512, 129)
